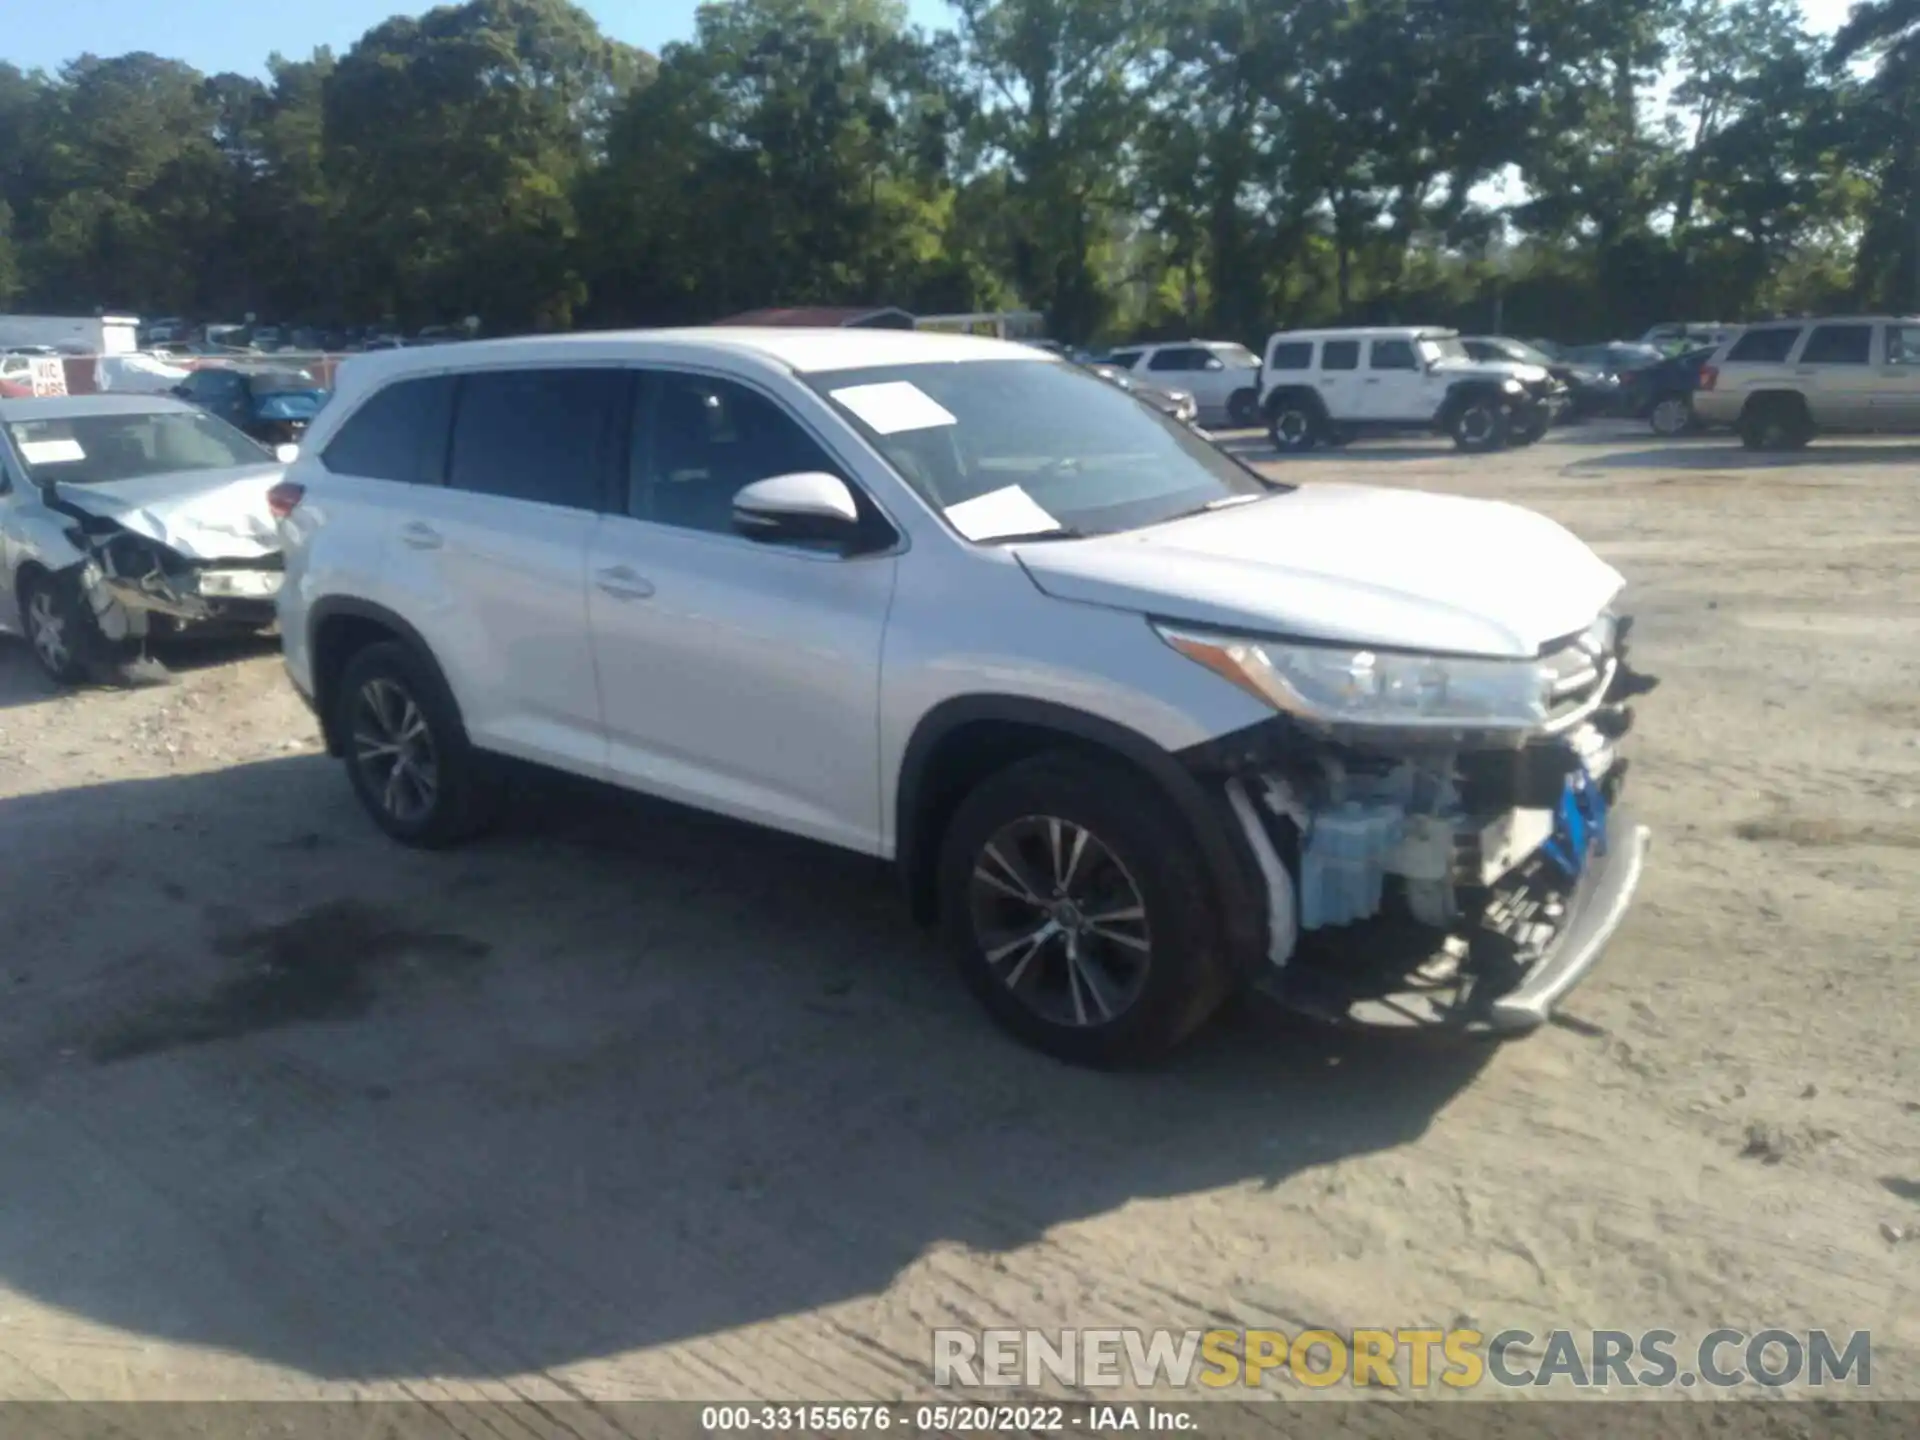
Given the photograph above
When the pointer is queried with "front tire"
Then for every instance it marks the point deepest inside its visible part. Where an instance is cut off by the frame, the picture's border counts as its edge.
(1294, 426)
(407, 752)
(1073, 904)
(1482, 426)
(61, 629)
(1243, 409)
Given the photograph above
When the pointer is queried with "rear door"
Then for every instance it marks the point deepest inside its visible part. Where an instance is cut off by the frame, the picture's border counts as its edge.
(1835, 371)
(490, 566)
(1339, 379)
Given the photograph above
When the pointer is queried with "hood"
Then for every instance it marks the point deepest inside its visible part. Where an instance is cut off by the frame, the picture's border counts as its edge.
(1400, 569)
(1457, 369)
(204, 515)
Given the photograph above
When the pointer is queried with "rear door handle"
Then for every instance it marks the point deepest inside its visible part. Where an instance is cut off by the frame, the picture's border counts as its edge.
(622, 583)
(418, 535)
(1372, 381)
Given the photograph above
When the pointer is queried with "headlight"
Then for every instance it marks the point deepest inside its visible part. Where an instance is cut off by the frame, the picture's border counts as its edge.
(1345, 684)
(1513, 387)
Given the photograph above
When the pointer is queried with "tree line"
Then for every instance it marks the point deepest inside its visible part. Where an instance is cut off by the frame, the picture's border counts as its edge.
(1576, 167)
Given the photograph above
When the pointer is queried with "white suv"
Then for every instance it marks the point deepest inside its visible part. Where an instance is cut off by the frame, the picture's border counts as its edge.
(1222, 377)
(1137, 725)
(1328, 386)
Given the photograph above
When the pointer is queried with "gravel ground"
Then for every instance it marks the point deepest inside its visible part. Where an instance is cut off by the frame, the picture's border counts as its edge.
(625, 1102)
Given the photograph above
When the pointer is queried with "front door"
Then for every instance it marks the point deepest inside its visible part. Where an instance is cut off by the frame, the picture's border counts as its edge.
(1390, 389)
(1895, 402)
(736, 676)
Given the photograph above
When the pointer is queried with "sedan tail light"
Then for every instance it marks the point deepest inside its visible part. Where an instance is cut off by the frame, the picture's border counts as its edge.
(1709, 376)
(282, 498)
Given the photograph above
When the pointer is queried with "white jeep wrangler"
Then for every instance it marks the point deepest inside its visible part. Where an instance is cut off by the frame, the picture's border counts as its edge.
(1329, 386)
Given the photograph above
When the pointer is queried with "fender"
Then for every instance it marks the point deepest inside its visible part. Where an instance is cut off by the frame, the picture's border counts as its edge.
(1461, 391)
(1223, 848)
(335, 607)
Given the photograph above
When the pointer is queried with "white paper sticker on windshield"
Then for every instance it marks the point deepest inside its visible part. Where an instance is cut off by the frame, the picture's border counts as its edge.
(895, 406)
(51, 452)
(1010, 511)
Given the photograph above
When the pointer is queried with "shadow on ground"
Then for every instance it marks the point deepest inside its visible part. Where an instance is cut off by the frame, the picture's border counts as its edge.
(1726, 453)
(616, 1077)
(22, 682)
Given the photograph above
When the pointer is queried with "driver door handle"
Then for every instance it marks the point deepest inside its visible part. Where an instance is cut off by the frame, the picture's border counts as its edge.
(418, 535)
(622, 583)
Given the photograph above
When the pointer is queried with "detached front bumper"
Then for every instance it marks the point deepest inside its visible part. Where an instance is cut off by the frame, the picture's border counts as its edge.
(1593, 912)
(1468, 890)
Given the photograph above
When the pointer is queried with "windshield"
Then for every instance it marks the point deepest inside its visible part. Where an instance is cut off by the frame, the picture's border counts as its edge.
(1525, 354)
(1237, 357)
(1432, 349)
(1022, 447)
(103, 449)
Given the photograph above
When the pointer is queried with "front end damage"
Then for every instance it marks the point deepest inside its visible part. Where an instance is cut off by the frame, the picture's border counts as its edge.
(136, 586)
(1458, 880)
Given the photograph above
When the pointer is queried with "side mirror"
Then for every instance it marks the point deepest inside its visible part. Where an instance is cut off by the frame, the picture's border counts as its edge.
(809, 505)
(1214, 362)
(286, 454)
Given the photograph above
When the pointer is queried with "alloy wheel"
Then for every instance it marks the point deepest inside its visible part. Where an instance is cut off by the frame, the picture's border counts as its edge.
(1291, 428)
(393, 747)
(48, 629)
(1060, 921)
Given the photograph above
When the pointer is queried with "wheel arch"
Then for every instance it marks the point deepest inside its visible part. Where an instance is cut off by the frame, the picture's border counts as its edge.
(1759, 399)
(338, 628)
(963, 740)
(1462, 393)
(1302, 394)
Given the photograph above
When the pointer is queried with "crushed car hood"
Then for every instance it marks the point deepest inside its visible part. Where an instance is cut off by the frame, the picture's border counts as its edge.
(1400, 569)
(1455, 369)
(205, 515)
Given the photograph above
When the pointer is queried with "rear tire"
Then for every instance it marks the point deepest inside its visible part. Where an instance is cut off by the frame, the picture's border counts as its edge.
(407, 752)
(1776, 423)
(1671, 416)
(1243, 409)
(1481, 426)
(1033, 856)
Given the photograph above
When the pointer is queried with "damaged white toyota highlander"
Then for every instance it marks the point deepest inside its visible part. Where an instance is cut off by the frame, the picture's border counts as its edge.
(126, 516)
(1137, 726)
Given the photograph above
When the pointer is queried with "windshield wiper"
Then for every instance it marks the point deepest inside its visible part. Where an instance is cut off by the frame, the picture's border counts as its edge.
(1058, 532)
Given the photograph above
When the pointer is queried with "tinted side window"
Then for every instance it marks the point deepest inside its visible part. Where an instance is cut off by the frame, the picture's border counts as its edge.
(1291, 355)
(1766, 347)
(1394, 355)
(1177, 357)
(1340, 355)
(398, 434)
(1838, 345)
(545, 435)
(1125, 359)
(701, 440)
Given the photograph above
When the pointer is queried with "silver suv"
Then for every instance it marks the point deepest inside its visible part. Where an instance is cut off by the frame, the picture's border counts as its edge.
(1780, 384)
(1136, 725)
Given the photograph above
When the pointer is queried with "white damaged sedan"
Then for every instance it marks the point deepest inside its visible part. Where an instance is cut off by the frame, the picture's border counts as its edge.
(123, 517)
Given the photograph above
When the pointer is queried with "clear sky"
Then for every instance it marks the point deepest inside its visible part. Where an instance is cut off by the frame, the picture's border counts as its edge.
(216, 35)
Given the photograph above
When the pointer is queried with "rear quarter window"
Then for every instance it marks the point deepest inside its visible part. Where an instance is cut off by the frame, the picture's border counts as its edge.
(399, 433)
(1765, 347)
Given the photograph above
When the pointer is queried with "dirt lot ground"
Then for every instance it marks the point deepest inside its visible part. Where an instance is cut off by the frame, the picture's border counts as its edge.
(629, 1103)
